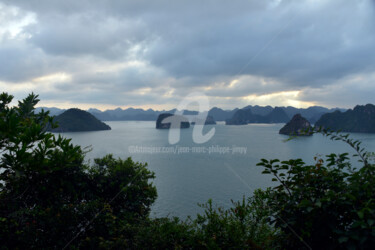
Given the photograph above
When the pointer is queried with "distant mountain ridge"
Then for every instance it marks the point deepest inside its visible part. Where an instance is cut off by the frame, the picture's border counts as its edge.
(221, 115)
(246, 116)
(312, 114)
(52, 111)
(277, 115)
(131, 114)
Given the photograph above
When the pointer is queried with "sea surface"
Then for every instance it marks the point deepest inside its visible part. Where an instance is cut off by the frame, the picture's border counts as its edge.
(222, 169)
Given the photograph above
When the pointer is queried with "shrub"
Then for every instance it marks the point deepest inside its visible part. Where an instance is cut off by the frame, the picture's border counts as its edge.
(51, 199)
(243, 226)
(326, 205)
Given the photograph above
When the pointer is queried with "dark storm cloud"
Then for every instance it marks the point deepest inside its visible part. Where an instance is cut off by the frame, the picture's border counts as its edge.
(20, 63)
(295, 43)
(120, 80)
(308, 46)
(344, 91)
(88, 34)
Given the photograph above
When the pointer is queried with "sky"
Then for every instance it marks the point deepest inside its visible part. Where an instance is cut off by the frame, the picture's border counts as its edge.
(151, 54)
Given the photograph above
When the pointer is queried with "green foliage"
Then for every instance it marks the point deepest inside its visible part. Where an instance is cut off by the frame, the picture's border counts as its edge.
(165, 233)
(243, 226)
(51, 199)
(326, 205)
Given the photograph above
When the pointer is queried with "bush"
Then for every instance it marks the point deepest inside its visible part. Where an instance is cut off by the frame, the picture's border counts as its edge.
(243, 226)
(327, 205)
(51, 199)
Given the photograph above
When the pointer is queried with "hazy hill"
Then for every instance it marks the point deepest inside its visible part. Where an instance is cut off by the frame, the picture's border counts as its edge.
(360, 119)
(131, 114)
(259, 110)
(241, 117)
(221, 115)
(245, 116)
(277, 115)
(208, 121)
(52, 111)
(312, 113)
(76, 120)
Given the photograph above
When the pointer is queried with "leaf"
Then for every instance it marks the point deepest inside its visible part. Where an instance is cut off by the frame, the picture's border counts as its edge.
(318, 204)
(370, 222)
(360, 214)
(343, 239)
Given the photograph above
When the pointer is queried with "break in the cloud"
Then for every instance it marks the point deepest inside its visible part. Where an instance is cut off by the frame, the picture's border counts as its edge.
(153, 53)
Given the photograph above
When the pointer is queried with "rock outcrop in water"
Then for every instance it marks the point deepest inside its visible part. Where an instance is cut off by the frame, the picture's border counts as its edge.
(76, 120)
(160, 124)
(297, 126)
(209, 121)
(361, 119)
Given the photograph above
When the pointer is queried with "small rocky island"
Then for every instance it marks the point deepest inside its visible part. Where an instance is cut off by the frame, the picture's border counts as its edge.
(209, 121)
(184, 122)
(298, 125)
(76, 120)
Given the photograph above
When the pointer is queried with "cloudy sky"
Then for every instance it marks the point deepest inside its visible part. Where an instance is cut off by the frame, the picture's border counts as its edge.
(150, 54)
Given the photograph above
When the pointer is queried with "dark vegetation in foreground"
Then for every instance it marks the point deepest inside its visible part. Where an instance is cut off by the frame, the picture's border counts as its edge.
(51, 198)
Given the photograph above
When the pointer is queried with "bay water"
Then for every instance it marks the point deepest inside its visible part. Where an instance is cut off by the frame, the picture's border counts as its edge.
(222, 169)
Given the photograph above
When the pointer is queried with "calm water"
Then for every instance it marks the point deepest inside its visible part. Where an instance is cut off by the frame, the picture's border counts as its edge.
(184, 179)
